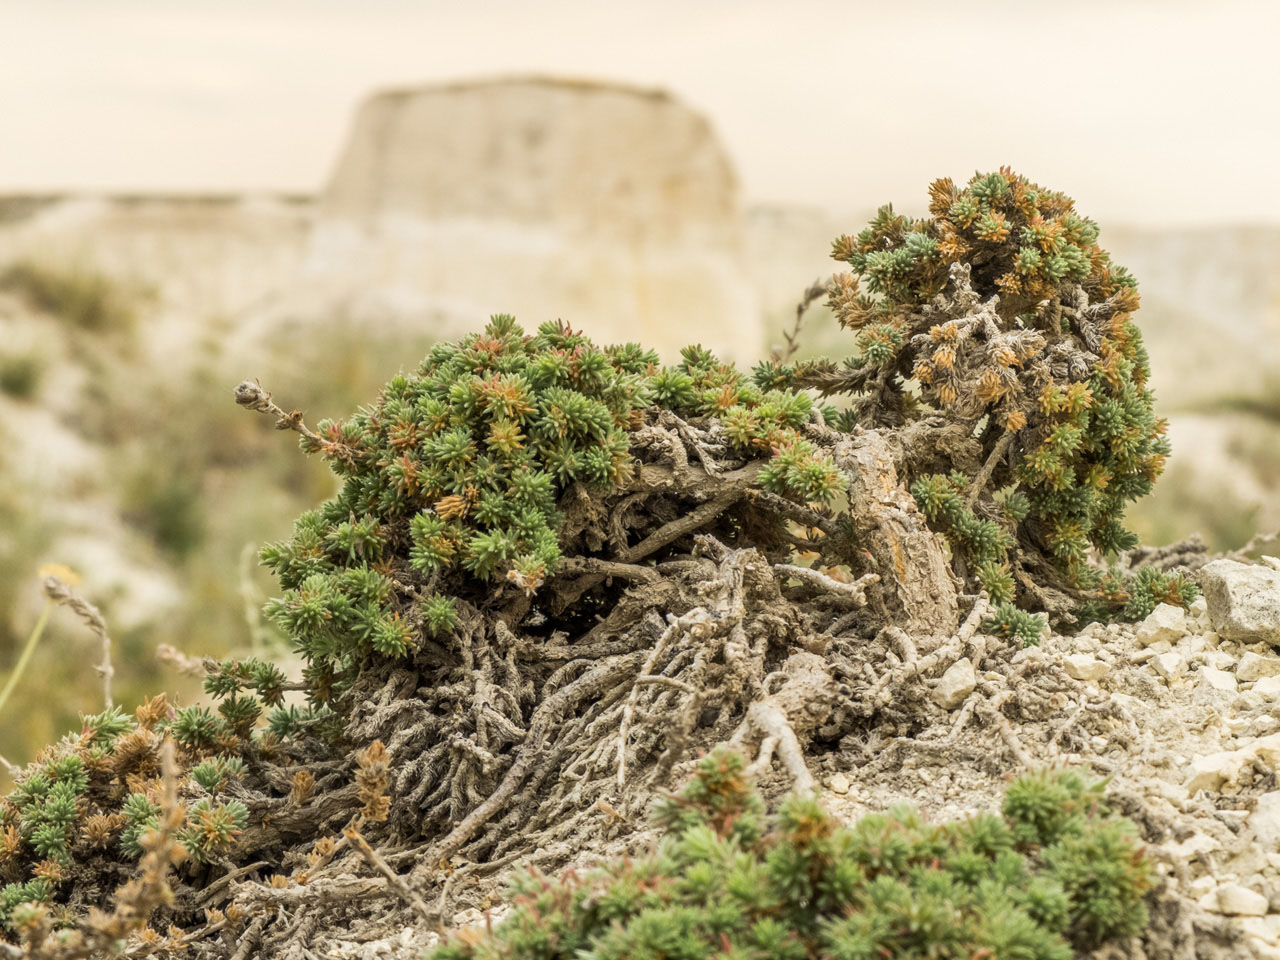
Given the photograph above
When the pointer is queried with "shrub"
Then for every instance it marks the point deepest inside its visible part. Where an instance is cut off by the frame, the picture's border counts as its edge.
(452, 480)
(1054, 873)
(1001, 313)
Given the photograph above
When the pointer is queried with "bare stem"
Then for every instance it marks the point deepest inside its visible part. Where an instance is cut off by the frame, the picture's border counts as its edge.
(394, 880)
(792, 336)
(984, 475)
(59, 591)
(252, 396)
(855, 592)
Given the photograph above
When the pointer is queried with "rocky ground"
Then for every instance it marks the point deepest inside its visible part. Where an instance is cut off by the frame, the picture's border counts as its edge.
(1181, 712)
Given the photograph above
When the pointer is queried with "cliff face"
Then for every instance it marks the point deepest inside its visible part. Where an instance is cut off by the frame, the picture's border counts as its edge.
(614, 209)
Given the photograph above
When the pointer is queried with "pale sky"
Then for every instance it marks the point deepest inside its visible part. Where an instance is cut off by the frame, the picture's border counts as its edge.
(1146, 111)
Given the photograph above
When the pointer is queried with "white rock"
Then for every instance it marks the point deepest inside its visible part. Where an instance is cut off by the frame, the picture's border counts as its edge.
(1262, 928)
(1243, 600)
(1166, 622)
(1194, 847)
(1265, 820)
(1170, 665)
(957, 683)
(1201, 887)
(1217, 679)
(1263, 950)
(1199, 608)
(1218, 660)
(1265, 753)
(839, 783)
(1081, 666)
(1210, 771)
(1237, 901)
(1254, 667)
(1267, 687)
(1272, 562)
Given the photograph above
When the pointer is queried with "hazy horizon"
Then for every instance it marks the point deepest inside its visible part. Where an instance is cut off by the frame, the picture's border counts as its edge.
(1148, 113)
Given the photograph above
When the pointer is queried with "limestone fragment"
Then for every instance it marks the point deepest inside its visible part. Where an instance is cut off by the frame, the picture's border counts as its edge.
(1210, 771)
(1216, 679)
(839, 783)
(1165, 623)
(1265, 820)
(957, 683)
(1081, 666)
(1237, 901)
(1243, 600)
(1253, 666)
(1170, 665)
(1194, 847)
(1267, 687)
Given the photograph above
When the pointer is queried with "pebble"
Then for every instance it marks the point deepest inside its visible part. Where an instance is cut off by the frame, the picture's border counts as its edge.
(1210, 771)
(1243, 600)
(1165, 623)
(1265, 820)
(1237, 901)
(1201, 887)
(1170, 665)
(1216, 679)
(1218, 660)
(957, 683)
(1195, 846)
(839, 783)
(1255, 667)
(1267, 686)
(1081, 666)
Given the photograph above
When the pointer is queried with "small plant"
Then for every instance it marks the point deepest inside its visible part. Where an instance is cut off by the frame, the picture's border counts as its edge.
(1055, 873)
(99, 791)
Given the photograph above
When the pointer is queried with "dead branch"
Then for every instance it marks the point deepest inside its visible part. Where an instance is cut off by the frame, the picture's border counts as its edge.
(251, 395)
(855, 593)
(792, 337)
(394, 880)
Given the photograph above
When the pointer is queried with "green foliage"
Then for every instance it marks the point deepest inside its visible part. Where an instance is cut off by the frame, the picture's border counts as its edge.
(46, 804)
(38, 890)
(440, 614)
(1133, 597)
(1150, 587)
(211, 828)
(1095, 858)
(214, 775)
(82, 298)
(196, 728)
(1002, 312)
(1009, 621)
(97, 791)
(140, 815)
(20, 375)
(1054, 873)
(985, 542)
(452, 479)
